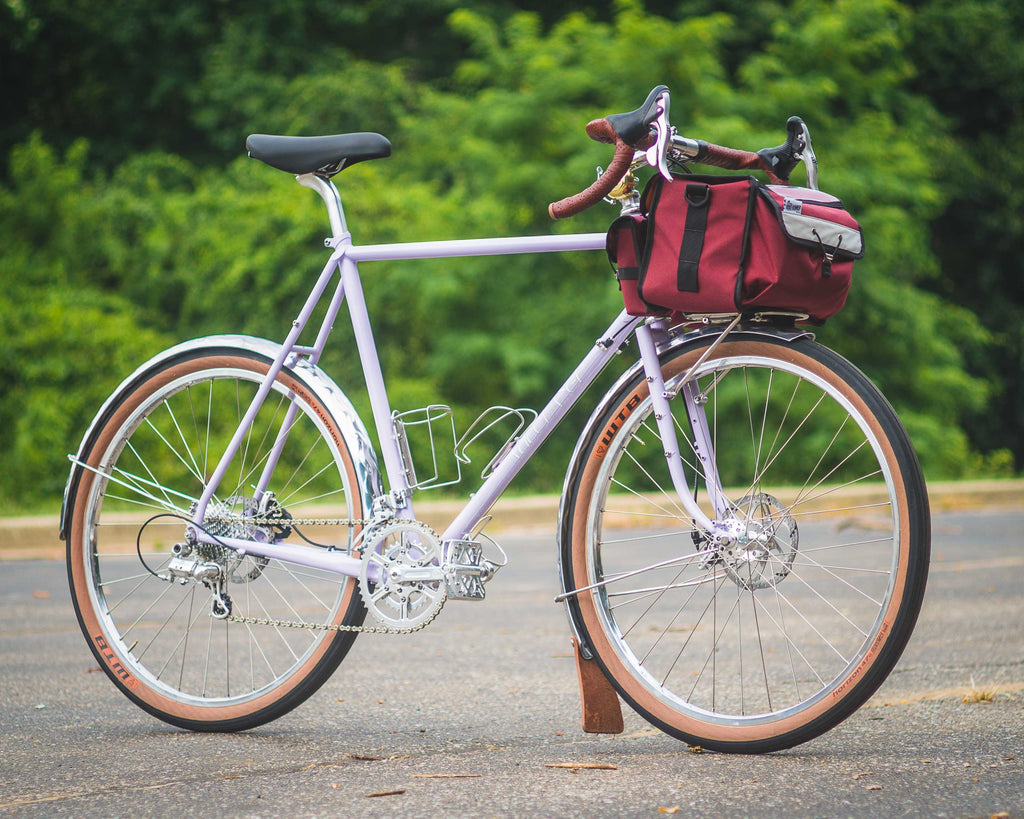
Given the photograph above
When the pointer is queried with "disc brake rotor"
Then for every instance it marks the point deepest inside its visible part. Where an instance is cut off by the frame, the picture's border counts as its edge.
(767, 539)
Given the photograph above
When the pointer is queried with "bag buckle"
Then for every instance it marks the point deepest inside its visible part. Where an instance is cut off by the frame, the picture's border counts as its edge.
(826, 260)
(697, 195)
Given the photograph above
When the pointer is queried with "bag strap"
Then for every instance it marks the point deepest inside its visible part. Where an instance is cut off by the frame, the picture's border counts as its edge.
(634, 224)
(698, 200)
(737, 296)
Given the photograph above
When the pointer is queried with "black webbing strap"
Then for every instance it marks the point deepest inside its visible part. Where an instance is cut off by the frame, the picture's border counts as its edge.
(698, 198)
(632, 224)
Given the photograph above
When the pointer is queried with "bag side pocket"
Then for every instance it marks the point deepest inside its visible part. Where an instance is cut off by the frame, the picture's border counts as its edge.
(624, 246)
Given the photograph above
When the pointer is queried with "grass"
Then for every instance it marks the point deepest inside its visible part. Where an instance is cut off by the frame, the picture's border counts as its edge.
(976, 693)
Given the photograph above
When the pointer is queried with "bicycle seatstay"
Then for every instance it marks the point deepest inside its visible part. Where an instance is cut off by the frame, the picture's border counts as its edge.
(289, 348)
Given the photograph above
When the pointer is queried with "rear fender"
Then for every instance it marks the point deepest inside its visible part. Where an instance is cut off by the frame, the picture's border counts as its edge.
(353, 430)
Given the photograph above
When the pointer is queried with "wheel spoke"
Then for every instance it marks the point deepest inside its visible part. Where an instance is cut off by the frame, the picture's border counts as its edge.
(171, 431)
(764, 620)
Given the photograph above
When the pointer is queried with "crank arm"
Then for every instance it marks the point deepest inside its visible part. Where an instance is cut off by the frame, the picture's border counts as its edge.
(425, 574)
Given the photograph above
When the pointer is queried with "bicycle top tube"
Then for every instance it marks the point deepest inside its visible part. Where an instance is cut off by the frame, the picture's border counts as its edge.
(474, 247)
(342, 239)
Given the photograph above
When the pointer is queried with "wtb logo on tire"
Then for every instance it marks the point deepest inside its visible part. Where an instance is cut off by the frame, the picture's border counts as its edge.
(617, 421)
(114, 663)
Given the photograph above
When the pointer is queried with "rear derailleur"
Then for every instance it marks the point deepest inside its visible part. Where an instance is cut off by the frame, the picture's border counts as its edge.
(186, 568)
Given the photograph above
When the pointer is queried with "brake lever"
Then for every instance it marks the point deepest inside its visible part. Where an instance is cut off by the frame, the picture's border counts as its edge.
(662, 133)
(806, 155)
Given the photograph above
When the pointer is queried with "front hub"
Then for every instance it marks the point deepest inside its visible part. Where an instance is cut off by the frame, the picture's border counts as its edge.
(762, 542)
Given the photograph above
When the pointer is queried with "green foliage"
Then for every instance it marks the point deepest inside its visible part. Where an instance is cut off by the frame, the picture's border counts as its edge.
(142, 236)
(62, 355)
(64, 345)
(971, 65)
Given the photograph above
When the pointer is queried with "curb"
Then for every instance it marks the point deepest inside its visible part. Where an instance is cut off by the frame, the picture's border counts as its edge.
(35, 538)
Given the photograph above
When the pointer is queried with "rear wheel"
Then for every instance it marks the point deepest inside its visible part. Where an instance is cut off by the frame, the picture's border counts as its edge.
(778, 635)
(154, 635)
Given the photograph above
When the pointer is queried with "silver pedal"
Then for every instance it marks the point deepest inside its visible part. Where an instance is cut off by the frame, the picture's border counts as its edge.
(468, 570)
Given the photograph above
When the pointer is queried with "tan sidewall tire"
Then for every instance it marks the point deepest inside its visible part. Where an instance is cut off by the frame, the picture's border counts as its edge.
(107, 647)
(624, 677)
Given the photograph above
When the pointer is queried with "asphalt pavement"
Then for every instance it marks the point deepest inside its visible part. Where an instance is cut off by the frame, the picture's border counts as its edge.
(478, 716)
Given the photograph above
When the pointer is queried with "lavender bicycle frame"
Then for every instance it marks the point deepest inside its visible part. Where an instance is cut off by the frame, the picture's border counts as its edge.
(349, 287)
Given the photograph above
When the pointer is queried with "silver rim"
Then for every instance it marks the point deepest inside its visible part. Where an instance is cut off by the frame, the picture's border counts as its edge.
(163, 632)
(762, 631)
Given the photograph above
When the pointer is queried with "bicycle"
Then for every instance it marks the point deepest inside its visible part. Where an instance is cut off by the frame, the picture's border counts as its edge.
(228, 526)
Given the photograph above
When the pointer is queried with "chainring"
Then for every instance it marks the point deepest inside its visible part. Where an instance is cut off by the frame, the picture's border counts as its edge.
(401, 580)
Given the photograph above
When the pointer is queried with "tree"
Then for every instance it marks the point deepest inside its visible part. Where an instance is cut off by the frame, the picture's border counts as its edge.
(112, 251)
(971, 66)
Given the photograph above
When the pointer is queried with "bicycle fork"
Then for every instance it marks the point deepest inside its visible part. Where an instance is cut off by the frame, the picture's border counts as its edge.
(722, 529)
(703, 444)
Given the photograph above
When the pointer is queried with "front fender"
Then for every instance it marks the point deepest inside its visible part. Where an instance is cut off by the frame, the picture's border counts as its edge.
(322, 386)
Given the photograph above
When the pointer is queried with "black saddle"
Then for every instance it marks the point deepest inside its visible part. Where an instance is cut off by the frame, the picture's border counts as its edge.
(322, 155)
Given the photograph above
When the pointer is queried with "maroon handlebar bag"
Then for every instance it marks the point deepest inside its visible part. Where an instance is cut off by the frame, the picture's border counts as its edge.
(727, 244)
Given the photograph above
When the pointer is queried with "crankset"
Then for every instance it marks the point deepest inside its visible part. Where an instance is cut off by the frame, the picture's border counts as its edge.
(401, 579)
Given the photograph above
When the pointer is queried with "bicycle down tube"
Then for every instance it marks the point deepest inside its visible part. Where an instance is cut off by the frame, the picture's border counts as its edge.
(349, 288)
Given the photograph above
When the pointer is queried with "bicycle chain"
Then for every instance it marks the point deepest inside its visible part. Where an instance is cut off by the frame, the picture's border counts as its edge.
(268, 621)
(292, 521)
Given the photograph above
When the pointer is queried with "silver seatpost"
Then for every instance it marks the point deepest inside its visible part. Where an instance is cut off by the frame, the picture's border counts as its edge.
(332, 199)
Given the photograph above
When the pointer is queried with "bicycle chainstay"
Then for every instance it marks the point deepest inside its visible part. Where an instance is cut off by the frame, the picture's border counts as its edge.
(269, 621)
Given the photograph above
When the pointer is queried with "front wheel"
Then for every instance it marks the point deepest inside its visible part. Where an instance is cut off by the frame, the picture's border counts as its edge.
(162, 637)
(776, 636)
